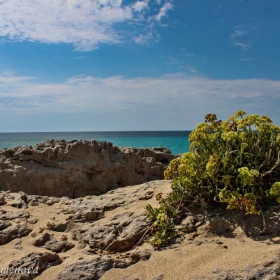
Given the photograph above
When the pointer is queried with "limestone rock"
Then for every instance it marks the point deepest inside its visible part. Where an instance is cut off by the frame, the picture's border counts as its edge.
(187, 225)
(90, 270)
(11, 215)
(30, 266)
(18, 244)
(139, 255)
(95, 268)
(58, 245)
(92, 208)
(41, 240)
(120, 233)
(4, 224)
(17, 200)
(78, 168)
(266, 271)
(12, 232)
(49, 242)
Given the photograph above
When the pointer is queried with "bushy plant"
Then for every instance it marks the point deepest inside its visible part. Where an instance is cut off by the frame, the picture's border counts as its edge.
(50, 226)
(236, 162)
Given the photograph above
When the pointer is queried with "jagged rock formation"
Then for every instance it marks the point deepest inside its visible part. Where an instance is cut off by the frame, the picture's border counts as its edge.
(78, 168)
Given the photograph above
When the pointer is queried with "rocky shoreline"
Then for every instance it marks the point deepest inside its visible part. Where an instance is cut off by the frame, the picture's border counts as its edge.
(101, 236)
(79, 168)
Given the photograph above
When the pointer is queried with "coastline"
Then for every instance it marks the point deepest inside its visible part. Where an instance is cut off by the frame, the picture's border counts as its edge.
(98, 231)
(176, 141)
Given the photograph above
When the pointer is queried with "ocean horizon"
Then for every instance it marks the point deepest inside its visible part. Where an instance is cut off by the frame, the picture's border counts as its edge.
(176, 141)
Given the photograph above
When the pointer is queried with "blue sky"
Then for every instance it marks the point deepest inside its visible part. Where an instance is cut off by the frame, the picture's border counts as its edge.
(91, 65)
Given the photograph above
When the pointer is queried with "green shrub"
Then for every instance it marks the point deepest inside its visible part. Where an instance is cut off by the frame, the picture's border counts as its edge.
(236, 162)
(50, 226)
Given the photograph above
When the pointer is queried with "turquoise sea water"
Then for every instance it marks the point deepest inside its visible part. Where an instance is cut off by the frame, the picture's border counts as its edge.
(176, 141)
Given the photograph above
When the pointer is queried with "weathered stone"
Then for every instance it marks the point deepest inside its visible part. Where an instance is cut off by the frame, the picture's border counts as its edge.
(41, 240)
(18, 244)
(17, 200)
(266, 271)
(78, 168)
(12, 232)
(4, 224)
(95, 268)
(30, 266)
(18, 203)
(58, 245)
(49, 242)
(61, 227)
(33, 221)
(10, 215)
(187, 225)
(119, 234)
(90, 270)
(142, 255)
(92, 208)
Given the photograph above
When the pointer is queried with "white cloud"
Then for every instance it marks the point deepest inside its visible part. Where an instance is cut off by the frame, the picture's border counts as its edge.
(242, 45)
(176, 99)
(163, 11)
(141, 5)
(83, 23)
(145, 39)
(238, 33)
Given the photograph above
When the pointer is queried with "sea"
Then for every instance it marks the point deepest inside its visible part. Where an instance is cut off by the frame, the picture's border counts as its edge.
(176, 141)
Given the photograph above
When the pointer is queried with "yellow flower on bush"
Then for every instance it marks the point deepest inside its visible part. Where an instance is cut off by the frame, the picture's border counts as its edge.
(244, 135)
(226, 179)
(172, 170)
(202, 127)
(239, 113)
(247, 176)
(265, 119)
(229, 136)
(212, 163)
(275, 189)
(225, 162)
(224, 195)
(244, 146)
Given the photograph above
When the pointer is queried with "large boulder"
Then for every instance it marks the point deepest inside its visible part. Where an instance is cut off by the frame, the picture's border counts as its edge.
(78, 168)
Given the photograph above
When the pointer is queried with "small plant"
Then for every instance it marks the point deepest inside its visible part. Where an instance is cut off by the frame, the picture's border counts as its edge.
(50, 226)
(235, 162)
(41, 229)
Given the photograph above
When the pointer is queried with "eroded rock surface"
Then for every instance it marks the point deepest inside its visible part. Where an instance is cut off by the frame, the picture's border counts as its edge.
(95, 268)
(13, 225)
(120, 233)
(30, 266)
(77, 168)
(51, 243)
(267, 271)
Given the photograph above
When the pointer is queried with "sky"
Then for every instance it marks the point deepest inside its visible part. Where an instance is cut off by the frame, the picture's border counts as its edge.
(129, 65)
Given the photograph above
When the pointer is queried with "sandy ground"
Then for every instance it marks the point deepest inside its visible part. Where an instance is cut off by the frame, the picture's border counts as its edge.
(188, 260)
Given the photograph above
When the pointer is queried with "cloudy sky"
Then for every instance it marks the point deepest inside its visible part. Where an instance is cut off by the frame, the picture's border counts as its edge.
(98, 65)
